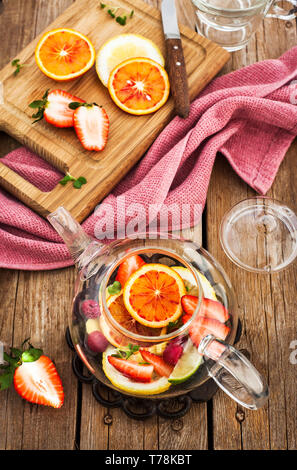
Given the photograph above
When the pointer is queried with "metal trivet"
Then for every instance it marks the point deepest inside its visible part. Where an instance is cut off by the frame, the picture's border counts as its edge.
(140, 408)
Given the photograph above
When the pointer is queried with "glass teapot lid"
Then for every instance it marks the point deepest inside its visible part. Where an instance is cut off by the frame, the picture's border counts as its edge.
(260, 235)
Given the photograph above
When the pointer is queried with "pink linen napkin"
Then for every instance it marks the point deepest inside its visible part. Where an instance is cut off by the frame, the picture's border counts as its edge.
(249, 116)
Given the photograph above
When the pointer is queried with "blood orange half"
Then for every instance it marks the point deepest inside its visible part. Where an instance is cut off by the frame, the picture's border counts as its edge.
(152, 295)
(64, 54)
(139, 86)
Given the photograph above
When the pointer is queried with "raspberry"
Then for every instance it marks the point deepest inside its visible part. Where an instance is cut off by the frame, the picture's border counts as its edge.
(90, 308)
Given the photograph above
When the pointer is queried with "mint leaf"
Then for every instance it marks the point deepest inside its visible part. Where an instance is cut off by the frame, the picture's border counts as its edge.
(174, 325)
(132, 350)
(121, 20)
(114, 288)
(82, 180)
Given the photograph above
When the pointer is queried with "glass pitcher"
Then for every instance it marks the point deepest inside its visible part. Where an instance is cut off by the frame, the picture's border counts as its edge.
(231, 23)
(155, 317)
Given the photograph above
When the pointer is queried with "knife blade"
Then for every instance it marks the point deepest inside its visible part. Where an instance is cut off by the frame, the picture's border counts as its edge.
(175, 61)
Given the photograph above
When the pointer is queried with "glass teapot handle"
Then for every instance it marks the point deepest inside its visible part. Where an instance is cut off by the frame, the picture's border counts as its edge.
(274, 11)
(234, 373)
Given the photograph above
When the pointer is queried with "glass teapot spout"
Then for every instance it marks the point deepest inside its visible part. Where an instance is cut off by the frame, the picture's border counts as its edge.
(77, 241)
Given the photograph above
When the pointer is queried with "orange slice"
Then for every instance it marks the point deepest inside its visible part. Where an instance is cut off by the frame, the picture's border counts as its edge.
(152, 295)
(63, 54)
(116, 306)
(139, 86)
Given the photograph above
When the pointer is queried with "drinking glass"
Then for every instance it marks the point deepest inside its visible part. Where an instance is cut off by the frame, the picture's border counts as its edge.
(231, 23)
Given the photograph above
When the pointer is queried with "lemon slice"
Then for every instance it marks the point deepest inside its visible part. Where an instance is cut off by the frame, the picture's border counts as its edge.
(187, 365)
(130, 386)
(123, 47)
(190, 283)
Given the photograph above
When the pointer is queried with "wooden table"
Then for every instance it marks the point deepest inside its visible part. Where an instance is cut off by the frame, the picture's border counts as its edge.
(36, 304)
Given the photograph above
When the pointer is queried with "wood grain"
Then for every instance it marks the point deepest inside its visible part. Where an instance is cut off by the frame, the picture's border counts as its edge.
(266, 302)
(267, 305)
(129, 136)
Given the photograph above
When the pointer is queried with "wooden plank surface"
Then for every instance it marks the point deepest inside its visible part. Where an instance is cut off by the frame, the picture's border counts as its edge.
(37, 304)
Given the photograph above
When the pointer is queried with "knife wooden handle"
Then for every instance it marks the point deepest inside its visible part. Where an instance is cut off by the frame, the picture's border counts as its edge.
(178, 76)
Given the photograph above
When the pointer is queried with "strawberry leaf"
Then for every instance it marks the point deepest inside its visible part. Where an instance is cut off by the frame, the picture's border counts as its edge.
(6, 379)
(36, 104)
(31, 355)
(75, 105)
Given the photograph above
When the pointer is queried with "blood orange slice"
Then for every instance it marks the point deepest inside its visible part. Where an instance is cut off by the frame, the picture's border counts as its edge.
(152, 295)
(139, 86)
(63, 54)
(116, 306)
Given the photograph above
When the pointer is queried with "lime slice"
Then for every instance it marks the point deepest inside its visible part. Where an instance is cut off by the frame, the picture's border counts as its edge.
(190, 283)
(187, 365)
(130, 386)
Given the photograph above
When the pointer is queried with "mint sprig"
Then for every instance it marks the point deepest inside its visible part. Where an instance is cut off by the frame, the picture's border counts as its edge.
(128, 353)
(77, 182)
(18, 66)
(40, 106)
(112, 12)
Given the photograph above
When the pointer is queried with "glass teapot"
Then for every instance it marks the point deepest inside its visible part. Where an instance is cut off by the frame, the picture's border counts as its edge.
(155, 317)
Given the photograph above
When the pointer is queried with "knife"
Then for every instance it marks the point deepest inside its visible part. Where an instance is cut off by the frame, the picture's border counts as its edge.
(175, 59)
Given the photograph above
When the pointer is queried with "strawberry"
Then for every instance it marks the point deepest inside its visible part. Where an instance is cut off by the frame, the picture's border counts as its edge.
(131, 369)
(173, 351)
(39, 382)
(34, 376)
(209, 308)
(215, 349)
(159, 364)
(203, 326)
(91, 125)
(128, 267)
(54, 108)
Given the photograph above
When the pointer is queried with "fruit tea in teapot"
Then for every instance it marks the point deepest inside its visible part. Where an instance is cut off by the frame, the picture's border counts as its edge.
(154, 317)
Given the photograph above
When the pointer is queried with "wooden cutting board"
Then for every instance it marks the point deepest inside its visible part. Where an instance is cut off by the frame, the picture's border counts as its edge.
(129, 137)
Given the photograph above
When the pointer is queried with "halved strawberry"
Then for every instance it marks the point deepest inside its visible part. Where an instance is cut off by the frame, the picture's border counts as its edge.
(203, 326)
(91, 125)
(209, 308)
(159, 364)
(54, 107)
(128, 267)
(215, 349)
(39, 382)
(131, 369)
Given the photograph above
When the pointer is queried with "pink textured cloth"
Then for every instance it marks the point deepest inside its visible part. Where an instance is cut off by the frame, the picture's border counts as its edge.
(249, 116)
